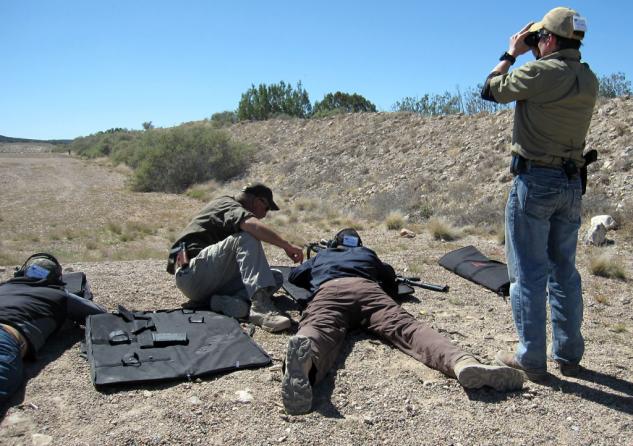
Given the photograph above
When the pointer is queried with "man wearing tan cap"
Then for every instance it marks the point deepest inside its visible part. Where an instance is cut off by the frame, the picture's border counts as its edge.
(219, 261)
(555, 96)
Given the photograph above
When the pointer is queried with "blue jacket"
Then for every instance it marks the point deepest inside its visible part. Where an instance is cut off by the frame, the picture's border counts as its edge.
(335, 263)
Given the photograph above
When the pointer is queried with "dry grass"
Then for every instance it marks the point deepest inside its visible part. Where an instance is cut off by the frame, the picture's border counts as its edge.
(604, 265)
(601, 299)
(395, 220)
(440, 229)
(618, 328)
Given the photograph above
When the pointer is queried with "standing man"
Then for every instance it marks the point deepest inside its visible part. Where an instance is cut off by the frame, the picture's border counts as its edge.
(352, 288)
(555, 97)
(223, 264)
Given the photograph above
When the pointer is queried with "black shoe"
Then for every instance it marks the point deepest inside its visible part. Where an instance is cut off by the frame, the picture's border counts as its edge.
(568, 368)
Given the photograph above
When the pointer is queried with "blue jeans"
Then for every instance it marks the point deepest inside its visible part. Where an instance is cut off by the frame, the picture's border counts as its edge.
(11, 368)
(542, 222)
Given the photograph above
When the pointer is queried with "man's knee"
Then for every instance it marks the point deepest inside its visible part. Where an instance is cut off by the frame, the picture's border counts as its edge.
(246, 241)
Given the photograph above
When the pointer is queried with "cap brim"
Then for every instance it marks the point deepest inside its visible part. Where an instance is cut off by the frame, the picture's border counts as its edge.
(537, 26)
(273, 206)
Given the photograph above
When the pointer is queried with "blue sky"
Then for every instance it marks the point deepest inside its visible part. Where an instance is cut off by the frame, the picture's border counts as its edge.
(71, 68)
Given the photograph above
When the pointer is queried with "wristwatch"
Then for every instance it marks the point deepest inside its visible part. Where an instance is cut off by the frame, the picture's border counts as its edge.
(509, 57)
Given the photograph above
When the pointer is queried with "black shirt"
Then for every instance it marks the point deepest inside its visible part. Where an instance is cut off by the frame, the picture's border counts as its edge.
(37, 310)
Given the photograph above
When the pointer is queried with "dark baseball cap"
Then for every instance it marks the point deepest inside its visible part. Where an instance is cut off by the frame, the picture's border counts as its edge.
(263, 191)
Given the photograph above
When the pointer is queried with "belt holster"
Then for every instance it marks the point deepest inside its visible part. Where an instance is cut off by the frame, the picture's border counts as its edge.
(518, 164)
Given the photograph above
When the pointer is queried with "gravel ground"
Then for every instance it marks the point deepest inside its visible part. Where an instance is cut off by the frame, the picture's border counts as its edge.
(376, 395)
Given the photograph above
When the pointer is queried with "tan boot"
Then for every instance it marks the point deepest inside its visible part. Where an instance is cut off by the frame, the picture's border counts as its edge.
(508, 359)
(264, 313)
(472, 374)
(296, 389)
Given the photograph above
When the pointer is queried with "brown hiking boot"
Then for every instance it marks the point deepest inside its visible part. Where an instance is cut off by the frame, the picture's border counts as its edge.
(472, 374)
(508, 359)
(296, 389)
(264, 313)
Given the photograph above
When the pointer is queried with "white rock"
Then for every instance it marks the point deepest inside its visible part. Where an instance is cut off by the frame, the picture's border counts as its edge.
(244, 396)
(606, 220)
(41, 439)
(596, 235)
(194, 401)
(407, 233)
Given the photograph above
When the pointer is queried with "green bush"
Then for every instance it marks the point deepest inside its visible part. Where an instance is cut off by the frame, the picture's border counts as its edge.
(103, 143)
(268, 101)
(342, 103)
(223, 119)
(430, 105)
(173, 159)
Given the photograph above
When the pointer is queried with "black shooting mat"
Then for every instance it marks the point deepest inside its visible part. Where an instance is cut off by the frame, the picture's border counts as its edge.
(141, 347)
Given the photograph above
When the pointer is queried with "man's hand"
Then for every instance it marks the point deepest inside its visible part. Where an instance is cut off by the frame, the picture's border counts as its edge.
(517, 45)
(182, 258)
(295, 253)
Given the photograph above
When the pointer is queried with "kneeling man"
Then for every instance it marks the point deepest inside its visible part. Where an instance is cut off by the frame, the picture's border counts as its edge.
(223, 264)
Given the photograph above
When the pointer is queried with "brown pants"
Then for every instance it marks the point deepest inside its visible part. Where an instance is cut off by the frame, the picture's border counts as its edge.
(347, 303)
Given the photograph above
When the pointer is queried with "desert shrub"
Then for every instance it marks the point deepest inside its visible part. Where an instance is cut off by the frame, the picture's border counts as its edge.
(614, 85)
(604, 265)
(267, 101)
(440, 229)
(176, 158)
(342, 103)
(223, 119)
(429, 105)
(394, 220)
(103, 143)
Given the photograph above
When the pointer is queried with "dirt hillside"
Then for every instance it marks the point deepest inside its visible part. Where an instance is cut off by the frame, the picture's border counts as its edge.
(367, 165)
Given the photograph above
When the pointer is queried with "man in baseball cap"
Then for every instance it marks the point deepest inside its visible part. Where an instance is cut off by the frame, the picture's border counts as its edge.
(563, 22)
(555, 96)
(219, 260)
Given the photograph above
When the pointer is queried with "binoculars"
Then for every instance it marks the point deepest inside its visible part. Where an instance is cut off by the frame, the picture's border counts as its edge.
(532, 39)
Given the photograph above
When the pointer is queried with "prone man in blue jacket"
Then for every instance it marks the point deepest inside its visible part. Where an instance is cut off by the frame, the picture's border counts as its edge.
(353, 288)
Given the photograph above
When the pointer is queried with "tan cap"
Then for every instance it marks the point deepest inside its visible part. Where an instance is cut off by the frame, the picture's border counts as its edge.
(563, 22)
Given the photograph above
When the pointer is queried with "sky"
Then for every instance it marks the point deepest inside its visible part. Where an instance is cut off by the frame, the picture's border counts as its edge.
(70, 68)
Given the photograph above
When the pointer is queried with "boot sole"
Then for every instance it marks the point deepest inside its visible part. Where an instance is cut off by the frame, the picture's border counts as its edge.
(500, 378)
(296, 391)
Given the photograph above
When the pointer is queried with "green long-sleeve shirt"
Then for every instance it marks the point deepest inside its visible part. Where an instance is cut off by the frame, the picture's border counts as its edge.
(554, 96)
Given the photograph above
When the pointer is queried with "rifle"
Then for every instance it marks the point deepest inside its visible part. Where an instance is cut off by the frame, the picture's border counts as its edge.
(415, 281)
